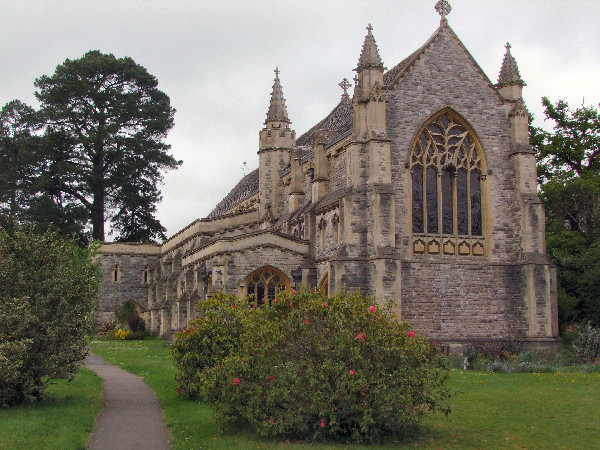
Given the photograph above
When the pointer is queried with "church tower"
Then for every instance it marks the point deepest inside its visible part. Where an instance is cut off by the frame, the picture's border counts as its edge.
(540, 276)
(275, 145)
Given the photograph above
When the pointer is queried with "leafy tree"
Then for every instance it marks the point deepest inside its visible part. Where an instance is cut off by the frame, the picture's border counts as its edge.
(106, 122)
(569, 177)
(17, 160)
(48, 297)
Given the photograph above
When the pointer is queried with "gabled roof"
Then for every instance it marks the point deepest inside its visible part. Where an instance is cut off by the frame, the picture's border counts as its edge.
(339, 121)
(397, 73)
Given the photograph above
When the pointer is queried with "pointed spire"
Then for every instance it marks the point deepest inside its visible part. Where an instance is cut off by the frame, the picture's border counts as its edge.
(369, 56)
(277, 110)
(509, 73)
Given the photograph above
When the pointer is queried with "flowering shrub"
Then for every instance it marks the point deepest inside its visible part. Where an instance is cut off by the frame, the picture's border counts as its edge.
(206, 341)
(308, 368)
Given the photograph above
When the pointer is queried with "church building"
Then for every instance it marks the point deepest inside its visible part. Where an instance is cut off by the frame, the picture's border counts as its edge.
(419, 189)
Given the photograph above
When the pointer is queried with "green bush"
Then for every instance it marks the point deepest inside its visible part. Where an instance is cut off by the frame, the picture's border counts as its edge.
(587, 345)
(313, 368)
(48, 296)
(206, 341)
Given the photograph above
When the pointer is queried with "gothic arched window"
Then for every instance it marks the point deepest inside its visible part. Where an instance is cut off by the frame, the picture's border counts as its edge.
(447, 169)
(264, 284)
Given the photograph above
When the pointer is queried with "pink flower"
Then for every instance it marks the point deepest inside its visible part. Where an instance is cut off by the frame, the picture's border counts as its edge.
(236, 381)
(322, 423)
(372, 309)
(306, 322)
(275, 301)
(361, 337)
(351, 371)
(233, 306)
(254, 306)
(294, 291)
(325, 304)
(411, 334)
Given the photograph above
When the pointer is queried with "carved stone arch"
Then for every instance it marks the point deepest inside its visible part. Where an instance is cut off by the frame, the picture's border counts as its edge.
(264, 284)
(448, 169)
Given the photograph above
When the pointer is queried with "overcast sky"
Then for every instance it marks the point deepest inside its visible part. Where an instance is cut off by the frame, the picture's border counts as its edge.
(215, 60)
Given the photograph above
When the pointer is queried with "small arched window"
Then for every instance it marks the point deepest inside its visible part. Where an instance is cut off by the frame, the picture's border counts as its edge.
(116, 273)
(263, 285)
(146, 275)
(447, 169)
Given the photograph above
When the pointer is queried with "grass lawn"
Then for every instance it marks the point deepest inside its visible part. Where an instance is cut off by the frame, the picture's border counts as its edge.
(548, 410)
(64, 420)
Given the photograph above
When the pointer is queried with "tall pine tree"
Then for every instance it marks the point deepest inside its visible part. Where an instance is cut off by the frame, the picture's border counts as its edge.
(106, 122)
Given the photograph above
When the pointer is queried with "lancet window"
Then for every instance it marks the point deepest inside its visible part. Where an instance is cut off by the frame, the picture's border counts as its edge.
(263, 286)
(447, 170)
(116, 273)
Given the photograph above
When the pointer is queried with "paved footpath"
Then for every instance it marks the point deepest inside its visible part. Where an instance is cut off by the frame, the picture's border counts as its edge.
(131, 418)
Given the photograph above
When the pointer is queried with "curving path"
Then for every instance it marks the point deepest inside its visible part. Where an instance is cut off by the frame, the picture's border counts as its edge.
(131, 417)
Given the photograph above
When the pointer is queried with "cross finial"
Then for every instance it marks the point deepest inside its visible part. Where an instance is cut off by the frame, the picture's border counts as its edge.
(345, 85)
(443, 8)
(508, 46)
(369, 29)
(277, 71)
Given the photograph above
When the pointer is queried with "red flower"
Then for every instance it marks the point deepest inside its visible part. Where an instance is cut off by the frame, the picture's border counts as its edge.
(236, 381)
(233, 306)
(275, 300)
(411, 334)
(325, 304)
(372, 309)
(254, 306)
(322, 423)
(361, 337)
(290, 304)
(271, 378)
(351, 371)
(306, 322)
(294, 291)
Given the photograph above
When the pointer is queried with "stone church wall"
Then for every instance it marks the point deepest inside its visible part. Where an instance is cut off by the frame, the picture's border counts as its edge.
(131, 285)
(447, 300)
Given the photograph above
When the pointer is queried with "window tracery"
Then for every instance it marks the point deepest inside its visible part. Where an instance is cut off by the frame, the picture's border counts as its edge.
(263, 285)
(447, 170)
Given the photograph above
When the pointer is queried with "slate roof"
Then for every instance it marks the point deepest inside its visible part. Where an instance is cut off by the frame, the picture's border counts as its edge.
(247, 187)
(338, 120)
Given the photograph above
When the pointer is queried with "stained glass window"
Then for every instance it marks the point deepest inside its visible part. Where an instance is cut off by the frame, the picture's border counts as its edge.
(263, 286)
(446, 162)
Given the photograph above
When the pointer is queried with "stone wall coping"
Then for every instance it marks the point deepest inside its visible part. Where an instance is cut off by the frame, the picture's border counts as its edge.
(208, 226)
(129, 248)
(238, 243)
